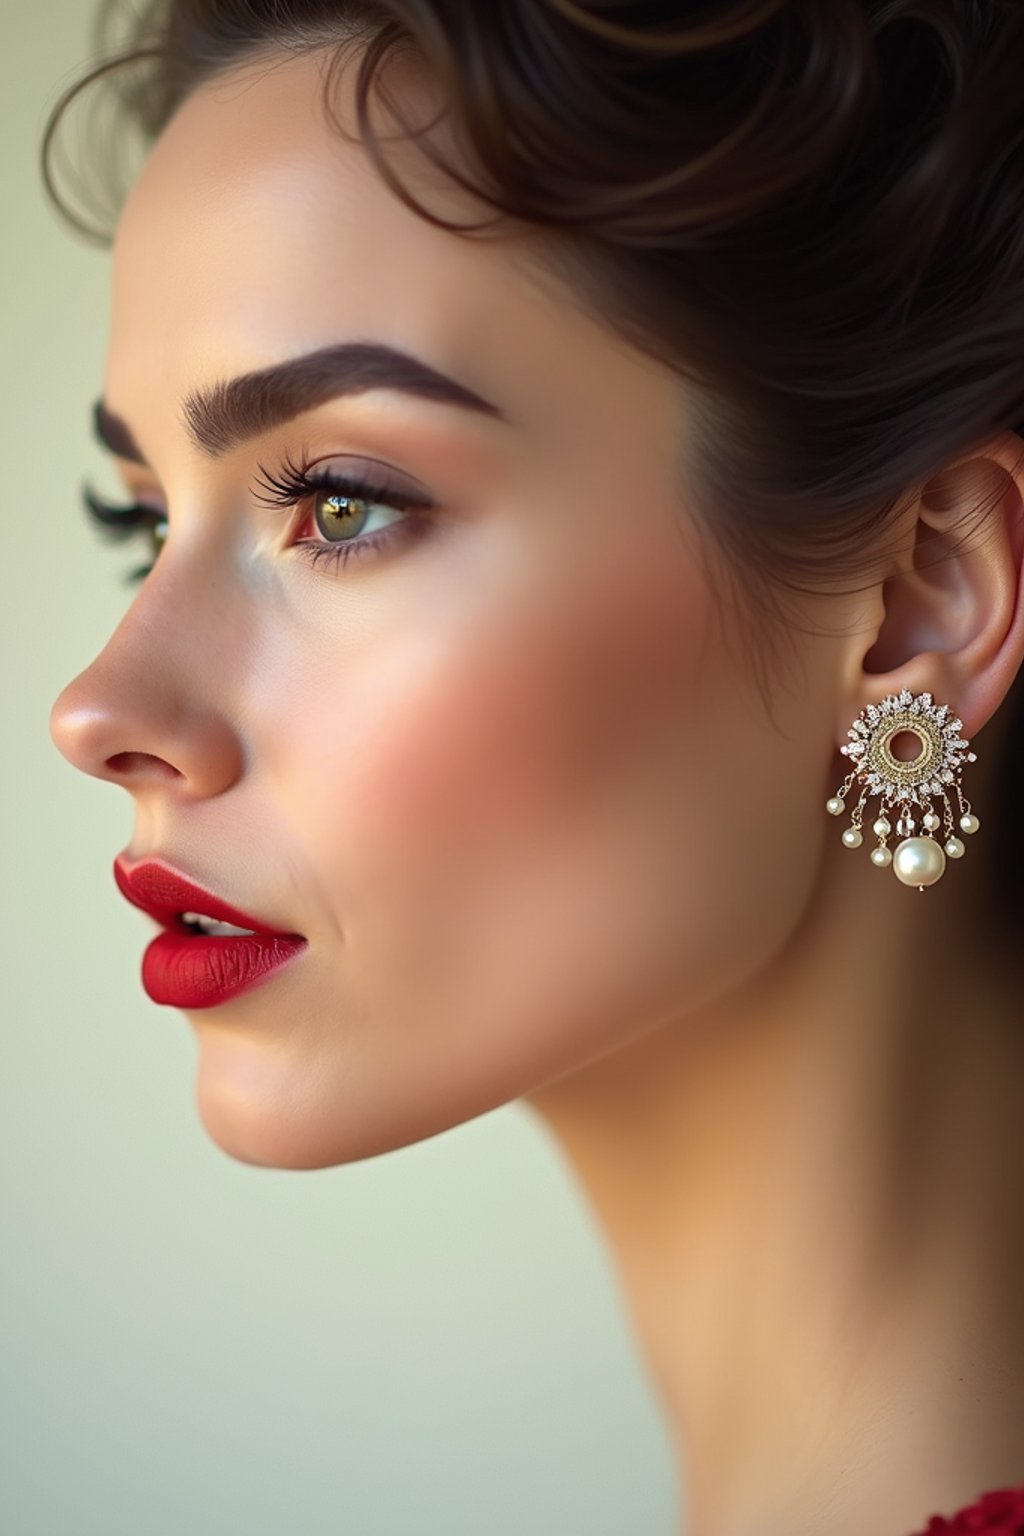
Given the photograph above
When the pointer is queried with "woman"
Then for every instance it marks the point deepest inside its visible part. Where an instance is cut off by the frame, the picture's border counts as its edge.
(581, 452)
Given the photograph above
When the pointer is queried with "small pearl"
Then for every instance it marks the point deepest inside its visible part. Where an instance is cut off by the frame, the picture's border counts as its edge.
(881, 856)
(919, 861)
(853, 837)
(931, 821)
(955, 848)
(969, 823)
(882, 827)
(834, 806)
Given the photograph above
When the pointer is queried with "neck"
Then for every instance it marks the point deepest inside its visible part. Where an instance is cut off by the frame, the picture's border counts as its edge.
(814, 1201)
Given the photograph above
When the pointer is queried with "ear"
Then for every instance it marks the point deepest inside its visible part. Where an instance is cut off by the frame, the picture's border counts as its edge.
(951, 612)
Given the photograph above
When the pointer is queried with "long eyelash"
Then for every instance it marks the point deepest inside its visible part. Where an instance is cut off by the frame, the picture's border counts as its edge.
(117, 524)
(296, 481)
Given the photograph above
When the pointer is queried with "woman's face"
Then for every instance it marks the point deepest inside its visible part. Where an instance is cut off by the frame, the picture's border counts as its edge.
(508, 773)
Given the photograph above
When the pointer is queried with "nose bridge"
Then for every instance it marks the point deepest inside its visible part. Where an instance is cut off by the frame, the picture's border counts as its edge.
(155, 705)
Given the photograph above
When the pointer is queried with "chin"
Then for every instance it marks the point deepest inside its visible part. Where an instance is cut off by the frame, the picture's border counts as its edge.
(258, 1112)
(253, 1134)
(262, 1106)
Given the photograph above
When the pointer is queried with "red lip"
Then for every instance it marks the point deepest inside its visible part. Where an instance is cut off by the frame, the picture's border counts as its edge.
(186, 970)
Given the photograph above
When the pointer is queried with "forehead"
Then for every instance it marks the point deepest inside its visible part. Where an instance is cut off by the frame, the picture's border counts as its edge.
(255, 230)
(249, 193)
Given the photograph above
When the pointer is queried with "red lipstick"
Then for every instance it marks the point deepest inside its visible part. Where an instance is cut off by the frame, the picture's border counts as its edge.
(185, 967)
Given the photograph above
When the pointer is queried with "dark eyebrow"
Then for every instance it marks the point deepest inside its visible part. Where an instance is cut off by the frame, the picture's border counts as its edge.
(115, 434)
(224, 415)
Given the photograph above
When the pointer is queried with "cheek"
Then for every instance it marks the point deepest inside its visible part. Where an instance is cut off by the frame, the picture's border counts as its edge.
(501, 734)
(569, 802)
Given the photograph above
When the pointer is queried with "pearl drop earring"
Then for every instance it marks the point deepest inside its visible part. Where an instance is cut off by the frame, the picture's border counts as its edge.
(916, 860)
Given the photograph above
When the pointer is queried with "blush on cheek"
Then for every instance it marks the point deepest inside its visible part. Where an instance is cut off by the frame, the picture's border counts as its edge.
(474, 750)
(478, 746)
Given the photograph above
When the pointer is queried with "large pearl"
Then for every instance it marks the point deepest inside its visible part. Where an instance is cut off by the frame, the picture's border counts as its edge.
(834, 806)
(919, 861)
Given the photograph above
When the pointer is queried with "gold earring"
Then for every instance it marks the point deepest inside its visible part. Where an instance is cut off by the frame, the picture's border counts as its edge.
(901, 785)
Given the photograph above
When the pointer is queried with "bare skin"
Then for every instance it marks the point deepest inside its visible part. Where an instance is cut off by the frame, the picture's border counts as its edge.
(515, 782)
(815, 1211)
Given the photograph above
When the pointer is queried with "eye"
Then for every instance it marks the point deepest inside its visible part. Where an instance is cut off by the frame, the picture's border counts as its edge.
(116, 524)
(341, 505)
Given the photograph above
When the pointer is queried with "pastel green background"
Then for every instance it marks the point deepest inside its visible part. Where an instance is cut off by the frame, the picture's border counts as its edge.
(428, 1342)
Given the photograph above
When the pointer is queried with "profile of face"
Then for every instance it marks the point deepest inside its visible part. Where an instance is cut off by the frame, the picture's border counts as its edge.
(502, 760)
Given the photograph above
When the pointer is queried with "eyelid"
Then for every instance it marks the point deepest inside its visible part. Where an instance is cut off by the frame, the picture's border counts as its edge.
(305, 477)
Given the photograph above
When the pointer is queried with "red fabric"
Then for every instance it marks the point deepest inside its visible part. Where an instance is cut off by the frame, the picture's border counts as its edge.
(1000, 1513)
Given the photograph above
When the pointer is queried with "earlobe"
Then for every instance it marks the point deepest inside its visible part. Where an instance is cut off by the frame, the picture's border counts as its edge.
(953, 609)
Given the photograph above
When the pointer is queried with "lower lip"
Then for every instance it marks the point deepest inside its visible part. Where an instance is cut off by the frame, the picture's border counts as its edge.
(187, 972)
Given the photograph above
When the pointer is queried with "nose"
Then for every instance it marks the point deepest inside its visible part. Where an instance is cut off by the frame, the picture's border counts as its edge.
(144, 713)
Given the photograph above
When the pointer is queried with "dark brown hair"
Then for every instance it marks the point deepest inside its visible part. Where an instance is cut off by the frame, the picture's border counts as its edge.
(812, 210)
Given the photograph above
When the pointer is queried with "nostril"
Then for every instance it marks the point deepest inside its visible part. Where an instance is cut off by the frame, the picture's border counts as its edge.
(143, 762)
(193, 748)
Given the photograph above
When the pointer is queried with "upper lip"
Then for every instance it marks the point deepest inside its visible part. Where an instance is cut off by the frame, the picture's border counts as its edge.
(165, 893)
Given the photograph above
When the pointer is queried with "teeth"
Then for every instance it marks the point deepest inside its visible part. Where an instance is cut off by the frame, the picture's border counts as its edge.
(211, 926)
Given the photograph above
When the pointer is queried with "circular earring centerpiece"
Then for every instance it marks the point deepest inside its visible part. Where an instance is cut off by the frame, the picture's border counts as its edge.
(903, 783)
